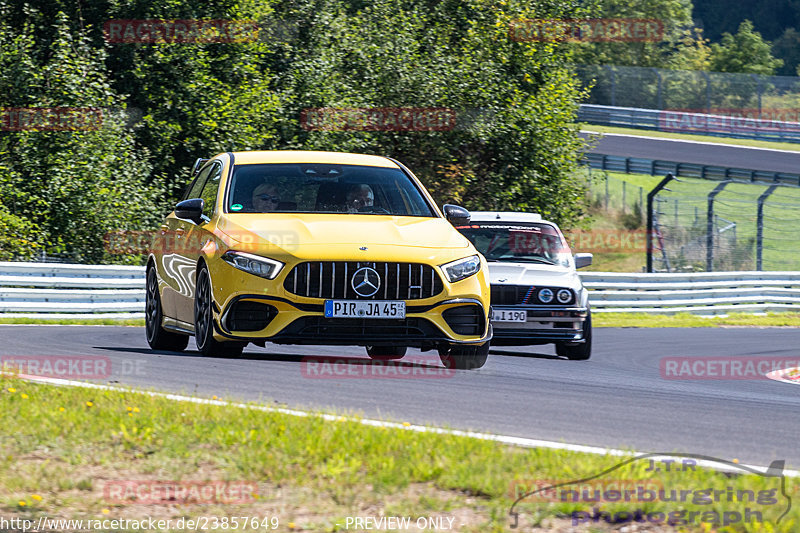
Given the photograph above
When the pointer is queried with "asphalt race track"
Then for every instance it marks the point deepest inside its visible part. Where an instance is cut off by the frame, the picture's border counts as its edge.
(617, 399)
(697, 152)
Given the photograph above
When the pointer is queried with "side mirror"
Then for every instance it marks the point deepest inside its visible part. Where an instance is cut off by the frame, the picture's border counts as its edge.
(191, 209)
(456, 214)
(583, 260)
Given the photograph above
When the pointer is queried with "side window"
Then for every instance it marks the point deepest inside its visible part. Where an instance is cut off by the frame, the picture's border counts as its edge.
(197, 185)
(209, 194)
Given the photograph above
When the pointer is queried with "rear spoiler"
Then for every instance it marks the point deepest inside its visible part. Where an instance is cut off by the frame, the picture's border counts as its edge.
(198, 165)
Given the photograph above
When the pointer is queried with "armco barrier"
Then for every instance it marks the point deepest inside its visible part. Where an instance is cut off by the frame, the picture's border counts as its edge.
(682, 121)
(702, 292)
(53, 289)
(48, 290)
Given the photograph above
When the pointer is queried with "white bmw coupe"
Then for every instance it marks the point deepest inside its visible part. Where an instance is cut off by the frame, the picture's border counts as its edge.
(537, 296)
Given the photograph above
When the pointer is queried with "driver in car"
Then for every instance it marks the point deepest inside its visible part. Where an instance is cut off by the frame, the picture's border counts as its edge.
(359, 196)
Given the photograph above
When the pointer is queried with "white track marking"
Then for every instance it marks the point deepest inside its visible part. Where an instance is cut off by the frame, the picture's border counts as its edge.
(503, 439)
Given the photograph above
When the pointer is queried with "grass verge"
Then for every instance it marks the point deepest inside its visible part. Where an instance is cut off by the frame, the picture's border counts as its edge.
(75, 321)
(62, 448)
(688, 320)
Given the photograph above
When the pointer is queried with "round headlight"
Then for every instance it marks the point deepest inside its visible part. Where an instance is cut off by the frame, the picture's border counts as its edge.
(564, 296)
(545, 296)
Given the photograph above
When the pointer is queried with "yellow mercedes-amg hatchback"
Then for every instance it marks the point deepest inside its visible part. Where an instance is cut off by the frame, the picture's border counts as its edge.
(316, 248)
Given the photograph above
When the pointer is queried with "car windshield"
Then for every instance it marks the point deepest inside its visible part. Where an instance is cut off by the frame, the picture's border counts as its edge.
(324, 188)
(518, 242)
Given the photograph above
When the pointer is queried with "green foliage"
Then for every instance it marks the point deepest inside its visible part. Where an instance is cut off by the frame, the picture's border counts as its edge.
(514, 146)
(75, 185)
(676, 16)
(744, 52)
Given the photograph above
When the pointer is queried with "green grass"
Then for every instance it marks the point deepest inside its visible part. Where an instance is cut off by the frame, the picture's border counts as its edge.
(60, 446)
(688, 320)
(683, 219)
(794, 147)
(75, 321)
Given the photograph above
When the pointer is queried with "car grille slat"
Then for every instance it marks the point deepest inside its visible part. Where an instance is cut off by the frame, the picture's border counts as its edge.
(311, 279)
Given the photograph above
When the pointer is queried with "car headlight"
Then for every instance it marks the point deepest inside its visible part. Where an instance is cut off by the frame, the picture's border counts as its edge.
(461, 268)
(253, 264)
(545, 295)
(564, 296)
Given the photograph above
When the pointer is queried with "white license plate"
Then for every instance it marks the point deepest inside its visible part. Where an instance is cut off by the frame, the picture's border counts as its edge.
(365, 309)
(506, 315)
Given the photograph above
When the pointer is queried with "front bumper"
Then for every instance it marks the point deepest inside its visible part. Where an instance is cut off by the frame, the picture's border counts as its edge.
(544, 325)
(296, 323)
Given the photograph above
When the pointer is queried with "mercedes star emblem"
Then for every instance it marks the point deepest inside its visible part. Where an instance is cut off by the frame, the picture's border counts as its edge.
(366, 281)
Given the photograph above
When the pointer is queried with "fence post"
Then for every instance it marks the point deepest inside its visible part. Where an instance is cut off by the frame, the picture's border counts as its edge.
(760, 225)
(623, 195)
(708, 91)
(710, 225)
(606, 203)
(613, 86)
(676, 212)
(650, 196)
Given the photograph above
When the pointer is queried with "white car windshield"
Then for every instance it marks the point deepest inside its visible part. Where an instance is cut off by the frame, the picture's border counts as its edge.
(516, 242)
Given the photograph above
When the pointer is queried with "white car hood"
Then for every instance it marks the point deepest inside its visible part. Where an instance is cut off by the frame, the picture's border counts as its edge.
(502, 273)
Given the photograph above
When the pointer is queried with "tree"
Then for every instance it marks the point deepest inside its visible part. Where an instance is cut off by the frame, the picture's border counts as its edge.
(79, 177)
(787, 48)
(745, 52)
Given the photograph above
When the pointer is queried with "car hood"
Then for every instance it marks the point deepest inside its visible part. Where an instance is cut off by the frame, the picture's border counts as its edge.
(502, 273)
(331, 236)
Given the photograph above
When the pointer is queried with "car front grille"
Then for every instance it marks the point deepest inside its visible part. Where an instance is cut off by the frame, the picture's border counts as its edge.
(333, 279)
(524, 295)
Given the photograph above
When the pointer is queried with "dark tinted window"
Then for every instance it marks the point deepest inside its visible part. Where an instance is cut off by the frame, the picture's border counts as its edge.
(318, 188)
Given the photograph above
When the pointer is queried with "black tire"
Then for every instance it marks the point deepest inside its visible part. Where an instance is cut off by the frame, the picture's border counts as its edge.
(464, 356)
(386, 353)
(579, 352)
(204, 322)
(157, 337)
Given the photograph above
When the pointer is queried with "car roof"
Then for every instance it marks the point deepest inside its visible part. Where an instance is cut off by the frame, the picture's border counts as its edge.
(505, 216)
(301, 156)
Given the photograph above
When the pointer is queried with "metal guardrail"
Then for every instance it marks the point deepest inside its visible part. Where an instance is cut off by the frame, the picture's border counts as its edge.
(677, 121)
(118, 291)
(49, 290)
(654, 167)
(701, 293)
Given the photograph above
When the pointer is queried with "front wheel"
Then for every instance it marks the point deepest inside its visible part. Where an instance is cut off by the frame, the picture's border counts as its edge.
(464, 356)
(157, 337)
(579, 352)
(204, 322)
